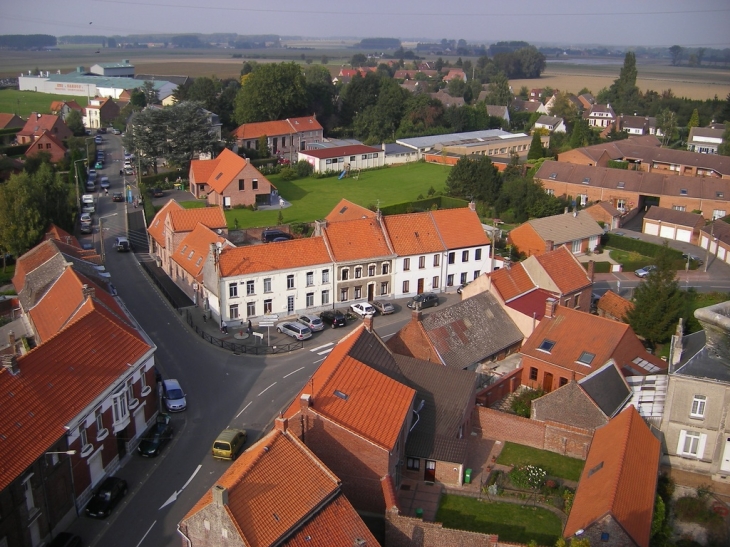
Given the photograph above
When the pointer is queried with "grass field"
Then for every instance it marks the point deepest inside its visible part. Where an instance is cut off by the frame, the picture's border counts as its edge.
(313, 199)
(23, 103)
(556, 465)
(513, 523)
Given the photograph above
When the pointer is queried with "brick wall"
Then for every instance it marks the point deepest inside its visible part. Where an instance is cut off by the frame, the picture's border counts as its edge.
(568, 441)
(403, 531)
(500, 389)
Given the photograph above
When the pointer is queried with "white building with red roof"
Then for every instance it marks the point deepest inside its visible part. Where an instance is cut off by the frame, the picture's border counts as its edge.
(343, 158)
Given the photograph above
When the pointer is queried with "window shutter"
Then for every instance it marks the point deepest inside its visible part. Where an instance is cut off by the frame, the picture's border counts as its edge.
(680, 446)
(701, 446)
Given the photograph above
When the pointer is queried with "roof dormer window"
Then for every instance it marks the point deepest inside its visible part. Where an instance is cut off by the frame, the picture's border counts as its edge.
(683, 192)
(586, 180)
(553, 176)
(546, 345)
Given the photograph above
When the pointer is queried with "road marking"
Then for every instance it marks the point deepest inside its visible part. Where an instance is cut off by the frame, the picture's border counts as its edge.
(314, 350)
(287, 376)
(145, 535)
(174, 495)
(244, 408)
(319, 361)
(268, 388)
(325, 352)
(387, 336)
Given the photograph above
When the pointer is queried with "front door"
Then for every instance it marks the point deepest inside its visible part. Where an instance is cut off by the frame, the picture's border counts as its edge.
(122, 443)
(96, 468)
(420, 286)
(430, 472)
(725, 464)
(547, 382)
(371, 291)
(290, 304)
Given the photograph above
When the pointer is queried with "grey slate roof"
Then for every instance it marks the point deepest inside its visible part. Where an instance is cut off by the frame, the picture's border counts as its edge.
(607, 387)
(569, 405)
(697, 362)
(565, 228)
(471, 331)
(177, 80)
(393, 148)
(548, 120)
(432, 140)
(706, 132)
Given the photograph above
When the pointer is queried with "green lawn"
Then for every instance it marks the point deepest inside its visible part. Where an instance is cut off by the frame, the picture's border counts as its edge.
(23, 103)
(513, 523)
(555, 464)
(313, 199)
(7, 274)
(198, 204)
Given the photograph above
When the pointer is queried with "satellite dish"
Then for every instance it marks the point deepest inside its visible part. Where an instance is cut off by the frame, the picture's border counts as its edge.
(218, 245)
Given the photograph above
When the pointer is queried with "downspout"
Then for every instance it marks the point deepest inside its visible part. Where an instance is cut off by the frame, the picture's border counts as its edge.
(187, 539)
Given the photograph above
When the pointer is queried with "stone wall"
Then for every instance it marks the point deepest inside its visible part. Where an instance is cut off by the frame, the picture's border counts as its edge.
(403, 531)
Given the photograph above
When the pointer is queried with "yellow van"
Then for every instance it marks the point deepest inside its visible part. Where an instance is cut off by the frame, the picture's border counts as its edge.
(229, 444)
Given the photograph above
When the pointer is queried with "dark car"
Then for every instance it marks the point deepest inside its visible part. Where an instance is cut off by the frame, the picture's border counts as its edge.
(117, 196)
(425, 300)
(268, 236)
(157, 193)
(334, 318)
(462, 287)
(156, 437)
(64, 539)
(106, 497)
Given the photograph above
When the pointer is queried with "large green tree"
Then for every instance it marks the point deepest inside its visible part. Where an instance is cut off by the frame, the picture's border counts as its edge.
(666, 122)
(537, 150)
(694, 120)
(321, 94)
(75, 123)
(658, 302)
(189, 133)
(624, 94)
(499, 92)
(272, 91)
(676, 53)
(474, 178)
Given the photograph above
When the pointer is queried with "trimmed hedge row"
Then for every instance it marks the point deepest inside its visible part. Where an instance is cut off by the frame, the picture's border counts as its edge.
(642, 247)
(442, 202)
(149, 180)
(14, 150)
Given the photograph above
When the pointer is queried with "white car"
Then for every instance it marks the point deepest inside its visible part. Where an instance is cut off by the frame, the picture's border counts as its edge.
(363, 309)
(87, 203)
(295, 330)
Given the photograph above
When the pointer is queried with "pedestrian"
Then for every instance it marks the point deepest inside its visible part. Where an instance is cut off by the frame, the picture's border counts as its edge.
(250, 328)
(106, 191)
(121, 172)
(205, 318)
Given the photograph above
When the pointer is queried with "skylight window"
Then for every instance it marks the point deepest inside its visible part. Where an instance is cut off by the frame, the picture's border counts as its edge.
(621, 184)
(683, 192)
(546, 346)
(586, 180)
(586, 358)
(219, 175)
(553, 176)
(343, 396)
(595, 469)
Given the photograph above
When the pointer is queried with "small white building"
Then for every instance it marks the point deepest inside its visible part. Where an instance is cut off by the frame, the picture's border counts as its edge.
(343, 158)
(123, 69)
(553, 124)
(704, 140)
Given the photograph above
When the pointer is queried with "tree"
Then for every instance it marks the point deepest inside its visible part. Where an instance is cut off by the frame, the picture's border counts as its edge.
(676, 53)
(358, 60)
(147, 135)
(694, 120)
(658, 302)
(75, 123)
(189, 133)
(624, 93)
(474, 179)
(499, 92)
(205, 91)
(150, 93)
(324, 60)
(666, 122)
(724, 148)
(536, 149)
(273, 91)
(137, 98)
(563, 107)
(320, 94)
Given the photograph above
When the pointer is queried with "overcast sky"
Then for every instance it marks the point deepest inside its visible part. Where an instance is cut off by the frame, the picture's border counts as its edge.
(567, 22)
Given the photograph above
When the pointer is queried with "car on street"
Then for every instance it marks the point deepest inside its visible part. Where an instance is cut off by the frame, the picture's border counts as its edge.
(228, 444)
(106, 497)
(295, 330)
(423, 300)
(693, 258)
(312, 321)
(116, 132)
(98, 140)
(99, 164)
(117, 196)
(173, 395)
(66, 539)
(334, 318)
(462, 287)
(362, 309)
(92, 175)
(267, 236)
(385, 308)
(156, 437)
(104, 182)
(157, 193)
(643, 272)
(86, 228)
(122, 244)
(128, 171)
(85, 218)
(87, 203)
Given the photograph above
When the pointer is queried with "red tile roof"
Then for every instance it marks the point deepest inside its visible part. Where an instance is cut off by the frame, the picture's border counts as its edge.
(59, 234)
(57, 150)
(337, 151)
(266, 505)
(614, 305)
(228, 166)
(359, 239)
(531, 304)
(10, 120)
(282, 255)
(413, 234)
(459, 228)
(185, 220)
(565, 270)
(59, 305)
(512, 282)
(38, 123)
(194, 248)
(157, 226)
(202, 169)
(619, 478)
(275, 128)
(57, 381)
(347, 210)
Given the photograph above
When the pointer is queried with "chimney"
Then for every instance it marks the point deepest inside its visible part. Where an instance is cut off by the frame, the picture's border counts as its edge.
(88, 291)
(10, 362)
(591, 271)
(675, 350)
(11, 340)
(220, 495)
(472, 206)
(416, 316)
(281, 423)
(368, 322)
(716, 322)
(305, 401)
(319, 226)
(550, 305)
(549, 245)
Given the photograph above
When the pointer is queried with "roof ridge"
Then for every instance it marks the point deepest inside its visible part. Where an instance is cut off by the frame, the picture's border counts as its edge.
(624, 441)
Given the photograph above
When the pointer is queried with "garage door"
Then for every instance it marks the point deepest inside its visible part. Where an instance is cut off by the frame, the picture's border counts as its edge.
(684, 235)
(651, 229)
(667, 231)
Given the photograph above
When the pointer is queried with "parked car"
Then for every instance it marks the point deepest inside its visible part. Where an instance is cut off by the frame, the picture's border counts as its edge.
(104, 182)
(173, 396)
(122, 244)
(92, 175)
(156, 437)
(424, 300)
(87, 203)
(228, 444)
(268, 236)
(98, 139)
(362, 309)
(334, 318)
(85, 218)
(385, 308)
(99, 164)
(693, 258)
(128, 171)
(295, 330)
(157, 193)
(86, 228)
(65, 539)
(312, 321)
(106, 497)
(643, 272)
(117, 196)
(462, 287)
(90, 186)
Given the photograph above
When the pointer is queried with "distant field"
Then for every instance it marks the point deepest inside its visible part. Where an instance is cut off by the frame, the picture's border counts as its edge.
(23, 103)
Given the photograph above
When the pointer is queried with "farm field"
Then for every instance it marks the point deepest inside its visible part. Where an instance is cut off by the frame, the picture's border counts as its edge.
(23, 103)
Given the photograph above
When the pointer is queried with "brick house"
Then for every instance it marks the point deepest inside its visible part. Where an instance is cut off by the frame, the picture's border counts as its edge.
(284, 137)
(11, 121)
(37, 124)
(238, 509)
(606, 213)
(347, 210)
(634, 190)
(466, 335)
(673, 224)
(100, 112)
(64, 108)
(230, 180)
(612, 306)
(614, 502)
(49, 144)
(578, 230)
(569, 344)
(716, 237)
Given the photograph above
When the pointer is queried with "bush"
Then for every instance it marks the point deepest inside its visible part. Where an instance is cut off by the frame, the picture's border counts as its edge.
(527, 477)
(521, 403)
(568, 496)
(642, 247)
(694, 509)
(287, 173)
(303, 169)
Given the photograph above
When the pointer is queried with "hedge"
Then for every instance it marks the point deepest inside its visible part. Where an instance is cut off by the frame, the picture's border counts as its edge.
(265, 161)
(17, 150)
(642, 247)
(10, 130)
(149, 180)
(441, 202)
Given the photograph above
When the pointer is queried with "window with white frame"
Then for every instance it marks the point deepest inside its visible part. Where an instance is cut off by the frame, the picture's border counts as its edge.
(371, 270)
(477, 254)
(267, 284)
(421, 262)
(698, 406)
(435, 282)
(386, 268)
(130, 392)
(290, 281)
(233, 311)
(436, 259)
(325, 276)
(358, 272)
(691, 443)
(718, 213)
(383, 288)
(232, 290)
(463, 278)
(267, 306)
(549, 191)
(325, 297)
(450, 280)
(99, 420)
(120, 410)
(621, 205)
(250, 309)
(82, 436)
(406, 264)
(343, 295)
(465, 256)
(358, 293)
(250, 288)
(406, 286)
(28, 492)
(310, 279)
(679, 208)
